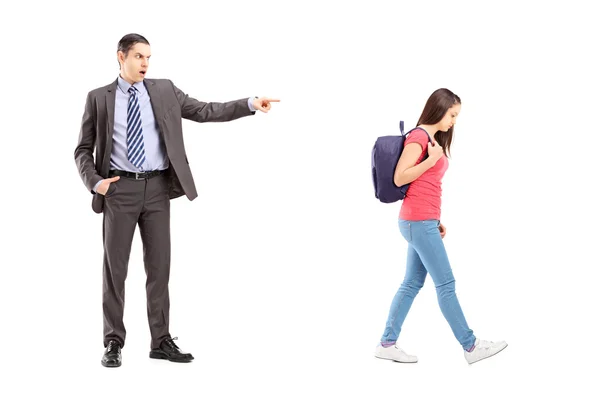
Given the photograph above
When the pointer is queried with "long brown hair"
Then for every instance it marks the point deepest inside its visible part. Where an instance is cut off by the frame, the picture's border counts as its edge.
(436, 107)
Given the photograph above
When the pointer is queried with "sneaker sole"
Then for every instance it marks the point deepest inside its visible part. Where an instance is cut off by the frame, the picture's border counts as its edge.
(491, 355)
(401, 362)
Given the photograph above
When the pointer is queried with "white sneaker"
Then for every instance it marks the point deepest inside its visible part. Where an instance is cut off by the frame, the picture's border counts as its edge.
(394, 353)
(484, 349)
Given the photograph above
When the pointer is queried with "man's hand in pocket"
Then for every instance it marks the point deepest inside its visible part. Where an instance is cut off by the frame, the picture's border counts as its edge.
(105, 184)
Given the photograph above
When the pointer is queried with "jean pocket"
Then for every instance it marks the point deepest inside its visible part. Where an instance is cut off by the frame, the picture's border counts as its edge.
(405, 230)
(432, 227)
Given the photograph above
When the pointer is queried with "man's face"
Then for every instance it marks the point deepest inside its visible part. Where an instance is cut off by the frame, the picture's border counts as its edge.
(135, 65)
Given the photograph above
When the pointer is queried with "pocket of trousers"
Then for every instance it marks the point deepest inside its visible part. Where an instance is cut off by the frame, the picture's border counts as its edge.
(111, 190)
(432, 227)
(405, 230)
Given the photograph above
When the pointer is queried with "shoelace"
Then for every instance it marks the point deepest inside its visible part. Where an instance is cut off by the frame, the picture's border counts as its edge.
(171, 342)
(111, 346)
(399, 349)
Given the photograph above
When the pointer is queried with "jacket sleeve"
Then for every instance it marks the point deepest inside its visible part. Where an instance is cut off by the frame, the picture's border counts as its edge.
(199, 111)
(84, 158)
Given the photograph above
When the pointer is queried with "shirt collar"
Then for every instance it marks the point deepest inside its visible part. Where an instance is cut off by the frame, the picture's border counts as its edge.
(124, 85)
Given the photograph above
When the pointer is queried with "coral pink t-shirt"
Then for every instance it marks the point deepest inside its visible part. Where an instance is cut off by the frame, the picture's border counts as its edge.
(423, 199)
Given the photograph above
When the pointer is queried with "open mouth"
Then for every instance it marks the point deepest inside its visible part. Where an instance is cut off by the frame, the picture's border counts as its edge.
(143, 72)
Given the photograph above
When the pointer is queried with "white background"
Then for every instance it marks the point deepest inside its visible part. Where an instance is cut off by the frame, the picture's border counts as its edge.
(284, 267)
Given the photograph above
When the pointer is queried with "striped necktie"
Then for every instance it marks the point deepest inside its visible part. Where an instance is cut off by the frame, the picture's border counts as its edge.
(135, 139)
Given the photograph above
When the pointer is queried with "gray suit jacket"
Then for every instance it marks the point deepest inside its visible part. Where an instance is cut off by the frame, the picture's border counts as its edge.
(169, 105)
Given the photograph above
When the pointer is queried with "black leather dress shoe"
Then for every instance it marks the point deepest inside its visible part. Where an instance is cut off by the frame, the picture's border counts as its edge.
(112, 354)
(168, 350)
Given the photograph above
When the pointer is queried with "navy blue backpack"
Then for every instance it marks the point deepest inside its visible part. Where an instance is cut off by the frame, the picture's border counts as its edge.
(384, 158)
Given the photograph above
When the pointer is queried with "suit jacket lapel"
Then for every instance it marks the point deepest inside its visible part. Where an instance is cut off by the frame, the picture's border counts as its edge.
(110, 123)
(157, 104)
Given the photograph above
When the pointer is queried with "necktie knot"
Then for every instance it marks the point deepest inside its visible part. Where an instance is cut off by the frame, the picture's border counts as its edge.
(132, 91)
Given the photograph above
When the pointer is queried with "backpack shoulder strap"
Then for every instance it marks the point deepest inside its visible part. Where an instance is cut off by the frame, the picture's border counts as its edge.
(414, 129)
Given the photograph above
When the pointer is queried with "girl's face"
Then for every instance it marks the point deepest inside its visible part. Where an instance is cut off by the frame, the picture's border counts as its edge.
(450, 118)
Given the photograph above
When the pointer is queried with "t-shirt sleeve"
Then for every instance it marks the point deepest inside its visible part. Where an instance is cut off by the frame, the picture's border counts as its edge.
(418, 136)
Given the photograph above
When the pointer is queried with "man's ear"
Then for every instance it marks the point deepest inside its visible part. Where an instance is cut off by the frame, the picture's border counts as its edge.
(120, 57)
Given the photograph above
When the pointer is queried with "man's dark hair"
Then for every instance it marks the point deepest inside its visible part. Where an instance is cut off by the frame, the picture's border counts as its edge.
(128, 41)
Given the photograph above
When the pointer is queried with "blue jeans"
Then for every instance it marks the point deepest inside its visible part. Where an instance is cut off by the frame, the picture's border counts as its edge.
(426, 254)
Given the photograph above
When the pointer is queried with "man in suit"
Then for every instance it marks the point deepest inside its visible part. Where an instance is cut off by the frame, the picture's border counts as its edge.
(134, 124)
